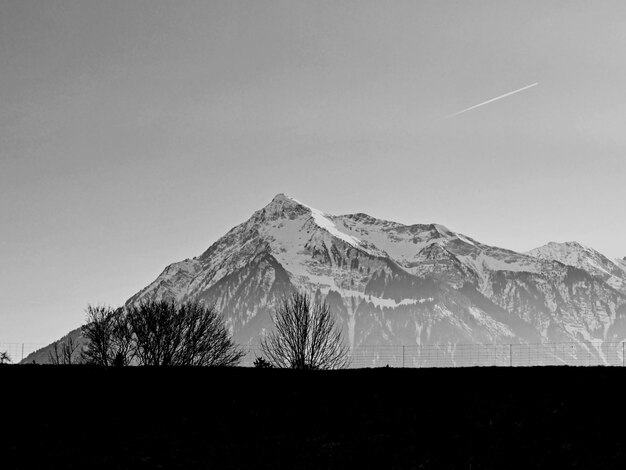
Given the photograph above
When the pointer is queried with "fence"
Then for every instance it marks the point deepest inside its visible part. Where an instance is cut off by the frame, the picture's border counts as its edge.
(18, 351)
(477, 355)
(445, 355)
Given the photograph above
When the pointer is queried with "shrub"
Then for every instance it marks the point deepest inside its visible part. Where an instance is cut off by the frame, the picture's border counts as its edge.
(4, 357)
(305, 336)
(261, 363)
(190, 334)
(109, 337)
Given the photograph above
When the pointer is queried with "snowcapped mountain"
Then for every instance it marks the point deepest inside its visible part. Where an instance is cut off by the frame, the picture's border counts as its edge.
(588, 259)
(391, 284)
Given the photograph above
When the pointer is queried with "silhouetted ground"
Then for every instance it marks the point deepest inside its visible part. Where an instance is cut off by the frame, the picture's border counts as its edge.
(84, 417)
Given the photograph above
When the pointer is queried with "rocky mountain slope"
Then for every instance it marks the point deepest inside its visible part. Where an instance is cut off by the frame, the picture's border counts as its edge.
(588, 259)
(395, 284)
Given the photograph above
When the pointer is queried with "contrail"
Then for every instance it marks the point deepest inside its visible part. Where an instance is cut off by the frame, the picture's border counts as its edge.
(491, 100)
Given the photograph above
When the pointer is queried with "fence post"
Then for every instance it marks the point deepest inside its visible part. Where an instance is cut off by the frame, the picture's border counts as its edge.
(623, 354)
(510, 355)
(22, 352)
(403, 356)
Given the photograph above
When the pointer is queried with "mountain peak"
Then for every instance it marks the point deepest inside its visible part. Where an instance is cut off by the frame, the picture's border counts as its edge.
(582, 257)
(286, 206)
(280, 198)
(575, 244)
(570, 244)
(283, 206)
(561, 247)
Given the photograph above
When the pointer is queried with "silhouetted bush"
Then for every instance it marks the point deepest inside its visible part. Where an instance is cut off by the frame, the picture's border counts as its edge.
(261, 363)
(305, 336)
(109, 337)
(4, 357)
(190, 334)
(158, 333)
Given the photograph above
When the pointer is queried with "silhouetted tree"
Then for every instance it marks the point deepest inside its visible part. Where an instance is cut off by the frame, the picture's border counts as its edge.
(64, 352)
(190, 334)
(305, 336)
(4, 357)
(261, 363)
(109, 337)
(123, 344)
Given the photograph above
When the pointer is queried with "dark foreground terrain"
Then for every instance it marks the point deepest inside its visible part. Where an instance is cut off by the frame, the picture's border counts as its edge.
(83, 417)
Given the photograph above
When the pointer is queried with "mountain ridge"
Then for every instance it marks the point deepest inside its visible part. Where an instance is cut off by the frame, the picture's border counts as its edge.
(575, 254)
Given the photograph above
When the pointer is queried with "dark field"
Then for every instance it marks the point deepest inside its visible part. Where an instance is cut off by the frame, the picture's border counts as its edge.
(82, 417)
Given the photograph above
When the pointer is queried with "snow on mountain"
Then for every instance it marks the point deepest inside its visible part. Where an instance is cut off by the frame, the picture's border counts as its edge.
(413, 247)
(588, 259)
(390, 283)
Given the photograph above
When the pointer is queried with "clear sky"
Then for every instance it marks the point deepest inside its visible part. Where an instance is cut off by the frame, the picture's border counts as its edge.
(135, 133)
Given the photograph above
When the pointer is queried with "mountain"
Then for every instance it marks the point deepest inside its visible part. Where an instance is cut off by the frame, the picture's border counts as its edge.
(394, 284)
(588, 259)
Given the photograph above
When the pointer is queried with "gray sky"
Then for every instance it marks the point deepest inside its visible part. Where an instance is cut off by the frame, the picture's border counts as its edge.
(134, 134)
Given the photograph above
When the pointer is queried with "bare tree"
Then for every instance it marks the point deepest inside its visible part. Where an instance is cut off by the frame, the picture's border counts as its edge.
(4, 357)
(109, 337)
(190, 334)
(123, 343)
(64, 352)
(305, 336)
(98, 331)
(206, 341)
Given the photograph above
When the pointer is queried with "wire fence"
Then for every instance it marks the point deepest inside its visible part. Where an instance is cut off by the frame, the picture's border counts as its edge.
(18, 351)
(444, 355)
(478, 355)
